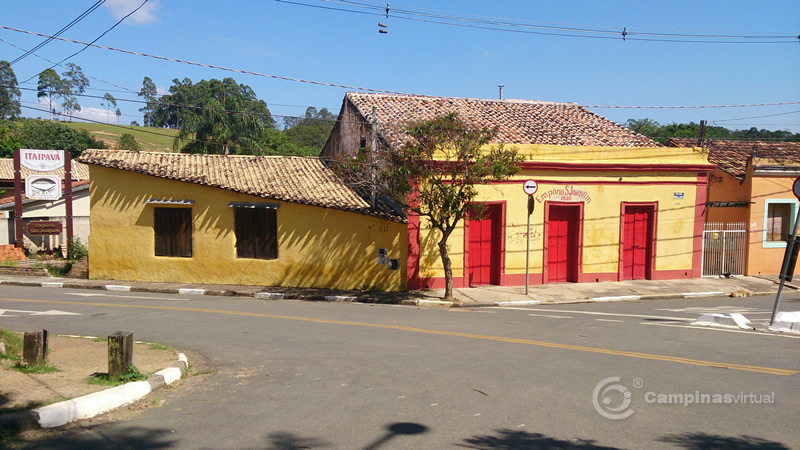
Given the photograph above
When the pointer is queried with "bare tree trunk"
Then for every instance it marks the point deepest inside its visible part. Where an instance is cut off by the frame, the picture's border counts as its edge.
(448, 270)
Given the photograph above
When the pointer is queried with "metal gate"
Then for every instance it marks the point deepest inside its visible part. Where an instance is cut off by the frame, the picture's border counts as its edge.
(724, 248)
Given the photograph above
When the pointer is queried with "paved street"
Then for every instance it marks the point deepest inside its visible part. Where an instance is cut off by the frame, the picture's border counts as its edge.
(293, 374)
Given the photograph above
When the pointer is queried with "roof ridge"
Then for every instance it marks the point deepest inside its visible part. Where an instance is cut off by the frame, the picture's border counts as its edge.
(476, 99)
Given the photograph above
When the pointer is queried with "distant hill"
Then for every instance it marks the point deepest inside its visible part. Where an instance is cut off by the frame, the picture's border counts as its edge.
(150, 139)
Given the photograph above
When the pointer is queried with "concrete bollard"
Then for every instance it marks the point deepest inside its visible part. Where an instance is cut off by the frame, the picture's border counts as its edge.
(34, 349)
(120, 354)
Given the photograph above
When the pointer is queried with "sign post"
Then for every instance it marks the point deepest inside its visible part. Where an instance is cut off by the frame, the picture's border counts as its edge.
(787, 268)
(530, 187)
(41, 187)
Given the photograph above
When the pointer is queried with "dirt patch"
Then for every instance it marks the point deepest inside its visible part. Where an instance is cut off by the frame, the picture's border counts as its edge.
(77, 359)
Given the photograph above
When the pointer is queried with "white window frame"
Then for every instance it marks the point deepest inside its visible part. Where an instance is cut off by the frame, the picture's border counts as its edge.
(792, 216)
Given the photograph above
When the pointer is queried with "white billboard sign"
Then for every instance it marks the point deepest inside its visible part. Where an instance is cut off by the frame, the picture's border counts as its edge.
(41, 160)
(43, 187)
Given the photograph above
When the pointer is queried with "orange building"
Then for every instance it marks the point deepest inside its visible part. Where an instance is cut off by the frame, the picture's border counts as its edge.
(749, 195)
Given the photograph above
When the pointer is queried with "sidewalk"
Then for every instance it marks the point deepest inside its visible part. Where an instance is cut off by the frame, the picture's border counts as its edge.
(464, 297)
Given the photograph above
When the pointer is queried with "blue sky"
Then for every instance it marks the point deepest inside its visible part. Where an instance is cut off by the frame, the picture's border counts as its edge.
(277, 38)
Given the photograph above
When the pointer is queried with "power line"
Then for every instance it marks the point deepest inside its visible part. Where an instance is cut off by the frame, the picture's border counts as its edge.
(210, 66)
(59, 32)
(59, 65)
(758, 117)
(514, 26)
(95, 40)
(749, 105)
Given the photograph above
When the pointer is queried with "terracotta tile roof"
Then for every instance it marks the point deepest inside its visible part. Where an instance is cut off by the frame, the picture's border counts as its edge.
(293, 179)
(79, 171)
(732, 156)
(10, 198)
(518, 121)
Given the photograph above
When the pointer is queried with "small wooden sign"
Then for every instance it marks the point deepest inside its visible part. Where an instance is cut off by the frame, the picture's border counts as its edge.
(44, 228)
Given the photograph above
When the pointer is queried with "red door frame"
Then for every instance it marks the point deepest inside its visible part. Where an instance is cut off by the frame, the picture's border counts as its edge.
(500, 251)
(578, 239)
(651, 246)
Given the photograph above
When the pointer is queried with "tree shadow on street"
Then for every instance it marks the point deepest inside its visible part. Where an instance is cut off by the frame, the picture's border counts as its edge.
(283, 440)
(515, 439)
(713, 441)
(92, 438)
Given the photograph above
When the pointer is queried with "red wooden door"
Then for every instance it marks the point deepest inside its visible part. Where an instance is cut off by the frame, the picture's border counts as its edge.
(636, 242)
(483, 260)
(562, 244)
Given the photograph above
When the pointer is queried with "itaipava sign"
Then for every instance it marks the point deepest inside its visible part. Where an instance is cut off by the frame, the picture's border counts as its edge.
(44, 228)
(41, 160)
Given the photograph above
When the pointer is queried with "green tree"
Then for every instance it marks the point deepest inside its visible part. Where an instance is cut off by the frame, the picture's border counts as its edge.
(42, 134)
(215, 116)
(149, 92)
(73, 83)
(662, 133)
(50, 84)
(108, 102)
(128, 142)
(436, 174)
(310, 133)
(9, 92)
(117, 113)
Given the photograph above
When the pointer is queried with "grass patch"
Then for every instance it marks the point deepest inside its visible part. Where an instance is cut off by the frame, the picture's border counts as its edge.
(103, 379)
(43, 367)
(55, 271)
(100, 339)
(157, 346)
(13, 343)
(8, 263)
(150, 139)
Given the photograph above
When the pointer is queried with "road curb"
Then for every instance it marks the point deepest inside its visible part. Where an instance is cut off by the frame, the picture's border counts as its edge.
(97, 403)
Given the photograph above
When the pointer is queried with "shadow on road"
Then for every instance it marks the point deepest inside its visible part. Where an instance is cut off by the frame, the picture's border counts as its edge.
(92, 438)
(713, 441)
(514, 439)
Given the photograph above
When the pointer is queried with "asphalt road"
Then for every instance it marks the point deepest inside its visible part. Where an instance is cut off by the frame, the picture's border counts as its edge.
(292, 374)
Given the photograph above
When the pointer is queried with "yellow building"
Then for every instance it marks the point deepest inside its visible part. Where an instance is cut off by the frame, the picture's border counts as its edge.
(610, 205)
(253, 220)
(750, 201)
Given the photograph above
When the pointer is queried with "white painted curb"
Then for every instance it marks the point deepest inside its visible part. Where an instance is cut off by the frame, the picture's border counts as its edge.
(52, 284)
(101, 402)
(787, 322)
(117, 287)
(190, 291)
(620, 298)
(274, 295)
(434, 303)
(340, 298)
(519, 303)
(702, 294)
(728, 320)
(91, 405)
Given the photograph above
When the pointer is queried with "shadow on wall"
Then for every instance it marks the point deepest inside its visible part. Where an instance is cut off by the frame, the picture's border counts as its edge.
(332, 249)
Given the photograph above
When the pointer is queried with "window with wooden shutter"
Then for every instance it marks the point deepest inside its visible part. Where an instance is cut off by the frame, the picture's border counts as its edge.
(256, 232)
(173, 229)
(778, 217)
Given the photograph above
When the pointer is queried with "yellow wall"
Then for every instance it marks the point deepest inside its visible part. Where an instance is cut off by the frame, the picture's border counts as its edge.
(601, 229)
(762, 260)
(317, 247)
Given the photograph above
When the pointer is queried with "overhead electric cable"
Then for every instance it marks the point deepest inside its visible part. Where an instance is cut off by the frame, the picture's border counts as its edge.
(59, 65)
(95, 40)
(210, 66)
(508, 25)
(59, 32)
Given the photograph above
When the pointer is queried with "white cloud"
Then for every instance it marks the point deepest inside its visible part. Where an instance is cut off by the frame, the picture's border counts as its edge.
(86, 113)
(162, 90)
(120, 8)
